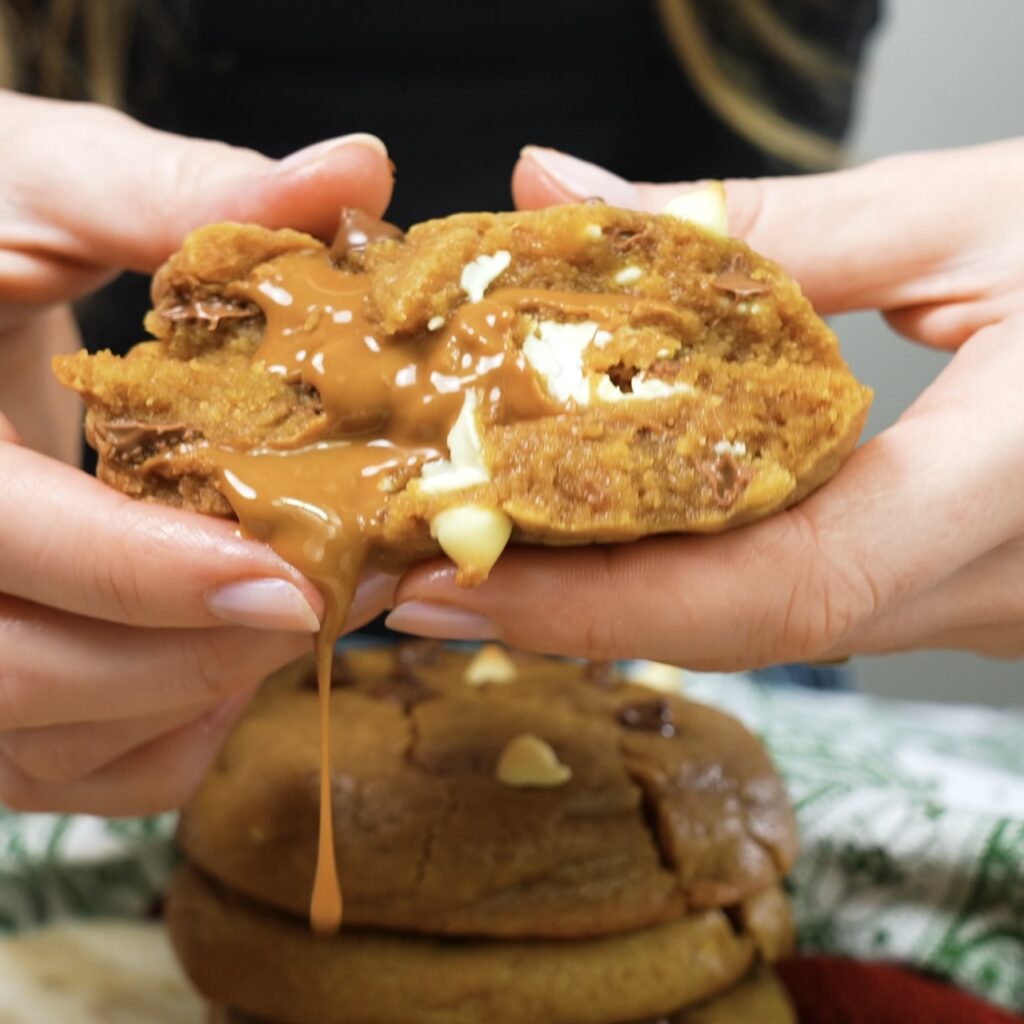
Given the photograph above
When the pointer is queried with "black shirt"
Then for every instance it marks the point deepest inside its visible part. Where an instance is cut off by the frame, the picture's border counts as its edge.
(456, 88)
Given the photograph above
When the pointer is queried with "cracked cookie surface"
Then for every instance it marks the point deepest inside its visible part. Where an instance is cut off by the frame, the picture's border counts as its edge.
(667, 806)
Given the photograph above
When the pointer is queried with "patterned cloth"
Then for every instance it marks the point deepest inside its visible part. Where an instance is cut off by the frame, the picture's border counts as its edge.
(912, 827)
(911, 816)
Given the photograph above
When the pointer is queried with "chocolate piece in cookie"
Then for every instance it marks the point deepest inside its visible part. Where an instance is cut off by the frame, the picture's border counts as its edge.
(649, 716)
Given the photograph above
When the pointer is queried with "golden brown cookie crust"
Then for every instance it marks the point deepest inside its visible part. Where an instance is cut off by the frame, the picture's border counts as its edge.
(764, 374)
(758, 999)
(239, 954)
(648, 827)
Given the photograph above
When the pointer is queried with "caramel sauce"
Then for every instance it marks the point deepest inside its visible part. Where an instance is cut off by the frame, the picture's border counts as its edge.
(388, 404)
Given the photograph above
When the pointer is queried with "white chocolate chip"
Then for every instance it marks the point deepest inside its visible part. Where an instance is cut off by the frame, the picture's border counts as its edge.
(491, 664)
(435, 323)
(644, 389)
(473, 537)
(465, 466)
(480, 274)
(656, 675)
(592, 231)
(703, 206)
(529, 761)
(735, 448)
(555, 350)
(628, 275)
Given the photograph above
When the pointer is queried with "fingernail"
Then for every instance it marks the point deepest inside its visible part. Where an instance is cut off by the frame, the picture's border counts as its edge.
(582, 180)
(263, 604)
(440, 621)
(227, 712)
(318, 149)
(376, 590)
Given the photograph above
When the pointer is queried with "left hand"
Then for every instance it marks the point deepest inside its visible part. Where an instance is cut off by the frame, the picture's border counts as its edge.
(917, 542)
(131, 634)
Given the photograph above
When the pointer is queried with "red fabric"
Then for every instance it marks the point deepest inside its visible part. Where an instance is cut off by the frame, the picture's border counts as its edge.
(828, 990)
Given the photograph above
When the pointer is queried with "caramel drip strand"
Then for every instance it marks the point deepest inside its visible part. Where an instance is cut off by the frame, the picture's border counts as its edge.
(325, 904)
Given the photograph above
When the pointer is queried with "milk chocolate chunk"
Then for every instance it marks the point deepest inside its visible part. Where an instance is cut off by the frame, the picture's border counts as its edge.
(649, 716)
(726, 478)
(412, 653)
(404, 689)
(603, 674)
(126, 439)
(210, 311)
(736, 280)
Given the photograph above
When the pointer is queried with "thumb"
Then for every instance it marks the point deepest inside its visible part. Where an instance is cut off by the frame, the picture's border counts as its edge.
(121, 195)
(906, 231)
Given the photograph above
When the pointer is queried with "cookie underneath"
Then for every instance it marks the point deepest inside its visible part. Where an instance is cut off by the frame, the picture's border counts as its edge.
(242, 955)
(616, 374)
(758, 998)
(654, 806)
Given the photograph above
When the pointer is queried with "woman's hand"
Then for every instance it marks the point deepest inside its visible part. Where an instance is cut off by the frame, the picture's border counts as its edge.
(919, 540)
(131, 635)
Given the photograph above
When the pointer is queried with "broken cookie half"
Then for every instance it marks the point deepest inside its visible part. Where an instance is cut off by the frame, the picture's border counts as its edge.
(576, 374)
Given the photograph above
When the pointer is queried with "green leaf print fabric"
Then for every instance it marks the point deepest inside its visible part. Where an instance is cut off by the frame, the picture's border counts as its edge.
(912, 827)
(911, 819)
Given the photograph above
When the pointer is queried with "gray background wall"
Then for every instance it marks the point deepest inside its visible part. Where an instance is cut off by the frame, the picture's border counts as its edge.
(941, 73)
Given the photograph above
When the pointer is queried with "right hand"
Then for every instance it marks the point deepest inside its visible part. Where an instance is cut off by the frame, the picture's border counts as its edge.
(131, 635)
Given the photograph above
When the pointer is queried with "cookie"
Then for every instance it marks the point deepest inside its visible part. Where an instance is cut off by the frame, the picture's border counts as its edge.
(577, 374)
(759, 998)
(488, 794)
(240, 954)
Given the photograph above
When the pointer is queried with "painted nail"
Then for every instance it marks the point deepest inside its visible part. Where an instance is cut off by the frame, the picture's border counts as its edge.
(375, 592)
(440, 621)
(318, 149)
(263, 604)
(582, 180)
(227, 712)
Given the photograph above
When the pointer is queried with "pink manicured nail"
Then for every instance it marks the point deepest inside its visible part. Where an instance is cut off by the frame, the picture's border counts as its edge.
(580, 179)
(376, 591)
(225, 714)
(318, 149)
(263, 604)
(441, 621)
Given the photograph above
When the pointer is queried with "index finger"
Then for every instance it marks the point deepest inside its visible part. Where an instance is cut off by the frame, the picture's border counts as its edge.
(904, 231)
(118, 194)
(68, 541)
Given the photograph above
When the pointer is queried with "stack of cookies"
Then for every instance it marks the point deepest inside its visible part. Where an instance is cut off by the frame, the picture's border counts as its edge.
(521, 841)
